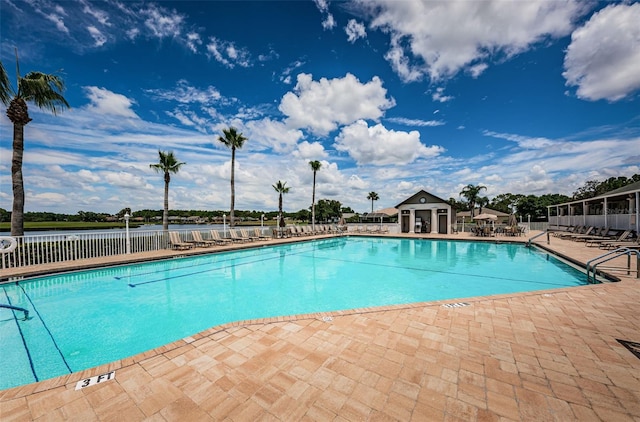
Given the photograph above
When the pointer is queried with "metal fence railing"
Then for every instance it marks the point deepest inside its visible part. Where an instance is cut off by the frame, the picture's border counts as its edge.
(54, 248)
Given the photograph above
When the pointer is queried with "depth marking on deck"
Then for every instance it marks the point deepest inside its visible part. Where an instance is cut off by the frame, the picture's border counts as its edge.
(88, 382)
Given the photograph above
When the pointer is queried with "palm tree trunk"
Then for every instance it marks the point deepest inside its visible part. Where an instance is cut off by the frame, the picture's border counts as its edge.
(17, 213)
(165, 212)
(233, 188)
(313, 204)
(280, 211)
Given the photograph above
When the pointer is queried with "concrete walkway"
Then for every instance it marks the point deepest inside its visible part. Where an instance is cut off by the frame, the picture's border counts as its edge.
(550, 355)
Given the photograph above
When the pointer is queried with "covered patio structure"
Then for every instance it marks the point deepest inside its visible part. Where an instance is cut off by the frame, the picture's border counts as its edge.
(617, 209)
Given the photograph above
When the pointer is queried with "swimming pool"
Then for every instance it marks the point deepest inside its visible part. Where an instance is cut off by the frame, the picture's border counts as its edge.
(84, 319)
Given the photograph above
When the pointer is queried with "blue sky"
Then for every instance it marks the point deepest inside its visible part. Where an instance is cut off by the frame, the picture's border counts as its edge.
(390, 96)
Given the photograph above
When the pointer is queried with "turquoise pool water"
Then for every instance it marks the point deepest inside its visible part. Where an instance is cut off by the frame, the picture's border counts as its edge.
(83, 319)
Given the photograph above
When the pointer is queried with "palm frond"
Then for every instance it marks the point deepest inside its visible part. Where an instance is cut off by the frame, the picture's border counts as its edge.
(6, 90)
(44, 90)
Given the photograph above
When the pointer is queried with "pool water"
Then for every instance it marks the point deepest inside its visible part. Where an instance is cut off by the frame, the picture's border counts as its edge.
(84, 319)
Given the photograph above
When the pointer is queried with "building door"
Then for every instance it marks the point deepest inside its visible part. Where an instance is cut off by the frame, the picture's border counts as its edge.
(405, 224)
(442, 223)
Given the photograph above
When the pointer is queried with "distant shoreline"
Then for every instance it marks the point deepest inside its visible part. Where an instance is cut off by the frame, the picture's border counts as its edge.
(53, 226)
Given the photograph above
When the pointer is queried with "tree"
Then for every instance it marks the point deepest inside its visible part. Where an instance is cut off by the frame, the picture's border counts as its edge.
(45, 91)
(328, 209)
(315, 166)
(234, 140)
(373, 197)
(168, 164)
(594, 188)
(281, 188)
(505, 202)
(472, 195)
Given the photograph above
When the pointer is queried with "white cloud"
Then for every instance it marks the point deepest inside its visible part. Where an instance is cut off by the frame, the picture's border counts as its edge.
(106, 102)
(440, 97)
(329, 22)
(525, 142)
(379, 146)
(310, 151)
(323, 6)
(354, 30)
(441, 38)
(101, 16)
(59, 22)
(185, 93)
(97, 36)
(273, 135)
(415, 122)
(123, 179)
(228, 54)
(603, 59)
(321, 106)
(193, 41)
(163, 23)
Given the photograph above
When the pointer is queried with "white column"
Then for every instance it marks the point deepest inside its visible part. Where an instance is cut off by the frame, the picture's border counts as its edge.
(434, 220)
(412, 220)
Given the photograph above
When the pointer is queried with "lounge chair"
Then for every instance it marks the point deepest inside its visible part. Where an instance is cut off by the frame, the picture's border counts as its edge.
(246, 235)
(177, 243)
(236, 237)
(570, 230)
(621, 236)
(199, 241)
(601, 233)
(219, 240)
(258, 234)
(625, 239)
(586, 231)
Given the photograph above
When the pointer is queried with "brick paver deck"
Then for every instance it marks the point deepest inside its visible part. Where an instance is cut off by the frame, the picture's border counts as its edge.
(550, 355)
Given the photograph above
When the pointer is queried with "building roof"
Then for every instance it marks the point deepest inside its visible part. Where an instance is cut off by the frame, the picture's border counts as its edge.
(422, 192)
(628, 189)
(485, 210)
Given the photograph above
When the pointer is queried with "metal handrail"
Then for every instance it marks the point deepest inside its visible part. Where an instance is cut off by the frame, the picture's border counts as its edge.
(538, 235)
(593, 263)
(16, 308)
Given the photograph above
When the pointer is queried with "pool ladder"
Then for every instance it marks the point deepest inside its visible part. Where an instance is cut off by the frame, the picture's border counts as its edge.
(17, 308)
(592, 264)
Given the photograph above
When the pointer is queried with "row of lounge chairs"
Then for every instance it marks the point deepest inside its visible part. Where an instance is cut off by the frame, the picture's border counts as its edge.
(371, 229)
(298, 231)
(245, 236)
(198, 241)
(603, 237)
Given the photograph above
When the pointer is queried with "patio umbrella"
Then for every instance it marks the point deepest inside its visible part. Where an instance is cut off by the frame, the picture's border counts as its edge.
(512, 220)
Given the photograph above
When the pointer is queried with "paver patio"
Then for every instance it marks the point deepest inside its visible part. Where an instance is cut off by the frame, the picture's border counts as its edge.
(550, 355)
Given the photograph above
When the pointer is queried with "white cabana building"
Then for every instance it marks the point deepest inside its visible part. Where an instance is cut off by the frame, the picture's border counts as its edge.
(424, 213)
(618, 209)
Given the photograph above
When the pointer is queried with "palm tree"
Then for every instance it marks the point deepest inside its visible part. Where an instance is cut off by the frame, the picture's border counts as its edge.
(315, 166)
(374, 197)
(472, 194)
(45, 91)
(234, 140)
(167, 165)
(281, 188)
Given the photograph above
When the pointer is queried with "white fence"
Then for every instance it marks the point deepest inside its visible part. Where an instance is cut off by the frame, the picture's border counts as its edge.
(52, 248)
